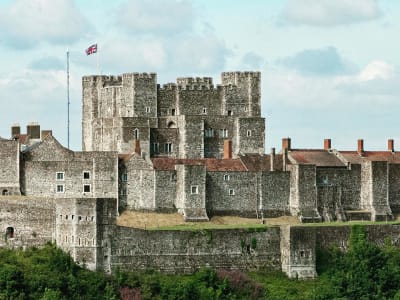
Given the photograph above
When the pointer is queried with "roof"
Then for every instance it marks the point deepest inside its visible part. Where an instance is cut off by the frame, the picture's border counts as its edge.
(212, 164)
(318, 157)
(355, 158)
(256, 162)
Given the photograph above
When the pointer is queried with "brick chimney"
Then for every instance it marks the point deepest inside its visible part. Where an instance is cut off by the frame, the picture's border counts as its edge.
(360, 147)
(33, 130)
(15, 130)
(391, 145)
(227, 149)
(286, 144)
(46, 133)
(137, 146)
(327, 144)
(272, 159)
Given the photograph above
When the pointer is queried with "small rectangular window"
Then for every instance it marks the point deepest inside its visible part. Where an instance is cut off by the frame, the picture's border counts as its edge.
(204, 110)
(123, 192)
(86, 188)
(223, 133)
(231, 192)
(147, 109)
(86, 175)
(60, 175)
(155, 147)
(173, 112)
(209, 132)
(230, 113)
(227, 177)
(194, 189)
(60, 188)
(168, 147)
(124, 177)
(248, 132)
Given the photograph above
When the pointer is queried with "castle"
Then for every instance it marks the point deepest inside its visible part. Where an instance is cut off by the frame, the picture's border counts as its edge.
(188, 147)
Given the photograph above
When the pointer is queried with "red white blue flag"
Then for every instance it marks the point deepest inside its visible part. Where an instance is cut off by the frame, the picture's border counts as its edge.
(92, 49)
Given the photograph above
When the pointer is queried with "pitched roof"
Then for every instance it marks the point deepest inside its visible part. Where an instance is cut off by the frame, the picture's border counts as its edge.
(355, 158)
(256, 162)
(318, 157)
(212, 164)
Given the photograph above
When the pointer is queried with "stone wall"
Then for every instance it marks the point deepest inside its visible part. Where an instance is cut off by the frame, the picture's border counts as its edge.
(9, 167)
(275, 193)
(32, 221)
(187, 251)
(232, 193)
(394, 187)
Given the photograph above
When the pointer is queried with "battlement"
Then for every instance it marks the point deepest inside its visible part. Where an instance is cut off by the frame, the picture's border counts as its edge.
(199, 81)
(237, 77)
(168, 86)
(136, 75)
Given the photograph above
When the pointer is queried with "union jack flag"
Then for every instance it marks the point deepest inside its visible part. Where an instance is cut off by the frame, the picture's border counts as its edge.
(92, 49)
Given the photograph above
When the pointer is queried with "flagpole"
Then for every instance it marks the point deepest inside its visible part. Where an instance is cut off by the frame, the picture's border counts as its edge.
(97, 57)
(68, 98)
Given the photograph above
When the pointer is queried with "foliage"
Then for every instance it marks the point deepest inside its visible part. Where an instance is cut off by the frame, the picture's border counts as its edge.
(364, 272)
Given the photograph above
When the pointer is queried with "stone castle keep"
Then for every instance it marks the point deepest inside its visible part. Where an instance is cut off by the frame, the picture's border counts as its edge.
(189, 147)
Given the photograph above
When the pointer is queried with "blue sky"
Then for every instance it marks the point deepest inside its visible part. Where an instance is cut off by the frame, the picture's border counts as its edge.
(330, 69)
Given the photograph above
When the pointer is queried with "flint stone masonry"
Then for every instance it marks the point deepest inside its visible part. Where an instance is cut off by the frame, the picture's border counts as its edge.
(9, 167)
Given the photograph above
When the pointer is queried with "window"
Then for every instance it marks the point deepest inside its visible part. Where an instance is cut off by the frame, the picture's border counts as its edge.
(155, 147)
(194, 189)
(124, 177)
(147, 109)
(248, 132)
(209, 132)
(230, 113)
(223, 133)
(10, 232)
(227, 177)
(86, 175)
(173, 111)
(168, 147)
(123, 192)
(60, 188)
(204, 110)
(86, 188)
(136, 134)
(60, 175)
(231, 192)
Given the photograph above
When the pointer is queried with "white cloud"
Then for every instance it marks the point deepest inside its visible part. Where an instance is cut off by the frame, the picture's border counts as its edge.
(25, 23)
(377, 70)
(329, 12)
(166, 16)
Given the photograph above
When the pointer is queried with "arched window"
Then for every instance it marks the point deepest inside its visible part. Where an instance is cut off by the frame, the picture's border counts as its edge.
(5, 192)
(171, 124)
(9, 232)
(136, 134)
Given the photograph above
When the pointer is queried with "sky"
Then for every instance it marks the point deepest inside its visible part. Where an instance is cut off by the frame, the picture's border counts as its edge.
(329, 69)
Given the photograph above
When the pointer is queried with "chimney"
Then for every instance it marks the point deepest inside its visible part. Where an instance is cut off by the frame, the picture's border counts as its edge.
(327, 144)
(272, 159)
(286, 144)
(15, 130)
(33, 130)
(360, 147)
(391, 145)
(227, 149)
(137, 146)
(46, 133)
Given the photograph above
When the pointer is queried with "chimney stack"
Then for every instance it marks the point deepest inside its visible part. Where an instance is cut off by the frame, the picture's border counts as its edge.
(391, 145)
(360, 147)
(15, 130)
(137, 146)
(46, 133)
(227, 149)
(272, 159)
(286, 144)
(327, 144)
(33, 130)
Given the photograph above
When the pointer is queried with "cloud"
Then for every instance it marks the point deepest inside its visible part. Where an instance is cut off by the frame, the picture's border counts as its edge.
(377, 70)
(323, 61)
(47, 63)
(252, 60)
(26, 23)
(328, 12)
(157, 17)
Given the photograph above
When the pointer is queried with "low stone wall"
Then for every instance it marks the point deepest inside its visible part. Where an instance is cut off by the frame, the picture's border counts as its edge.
(177, 251)
(26, 221)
